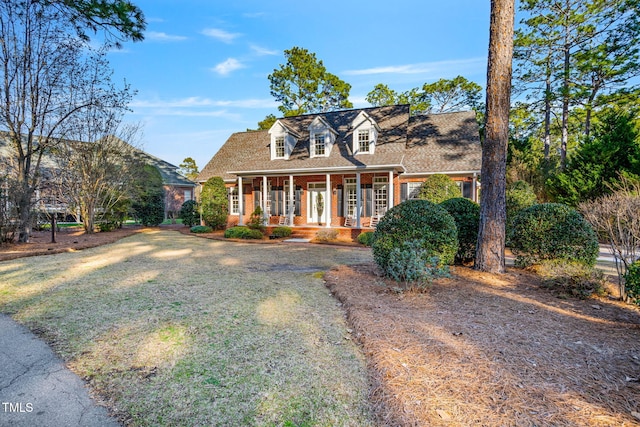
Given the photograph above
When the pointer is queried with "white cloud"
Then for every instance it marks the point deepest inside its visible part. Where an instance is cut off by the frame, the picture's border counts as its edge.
(195, 102)
(163, 37)
(226, 67)
(432, 69)
(262, 51)
(222, 35)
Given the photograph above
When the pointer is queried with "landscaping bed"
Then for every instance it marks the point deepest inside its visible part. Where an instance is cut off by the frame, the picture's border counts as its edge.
(483, 349)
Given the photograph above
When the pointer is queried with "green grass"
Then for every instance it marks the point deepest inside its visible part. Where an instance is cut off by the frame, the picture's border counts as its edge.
(190, 331)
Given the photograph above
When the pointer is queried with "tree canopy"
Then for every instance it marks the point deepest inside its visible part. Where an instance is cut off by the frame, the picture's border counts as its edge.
(189, 168)
(303, 85)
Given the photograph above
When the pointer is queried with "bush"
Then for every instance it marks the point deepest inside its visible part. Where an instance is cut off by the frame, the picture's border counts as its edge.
(366, 238)
(149, 201)
(572, 278)
(552, 231)
(415, 220)
(256, 220)
(438, 188)
(520, 195)
(214, 203)
(242, 232)
(189, 213)
(466, 214)
(104, 226)
(327, 235)
(201, 229)
(282, 232)
(411, 263)
(632, 282)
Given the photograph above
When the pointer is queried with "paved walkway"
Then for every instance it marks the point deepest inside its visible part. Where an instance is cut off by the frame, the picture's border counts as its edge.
(36, 389)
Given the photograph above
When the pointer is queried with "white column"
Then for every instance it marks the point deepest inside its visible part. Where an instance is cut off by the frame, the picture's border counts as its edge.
(390, 205)
(474, 187)
(358, 200)
(327, 201)
(265, 190)
(240, 201)
(291, 200)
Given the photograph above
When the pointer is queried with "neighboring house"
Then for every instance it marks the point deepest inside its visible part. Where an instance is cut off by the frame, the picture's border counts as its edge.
(344, 168)
(50, 198)
(178, 189)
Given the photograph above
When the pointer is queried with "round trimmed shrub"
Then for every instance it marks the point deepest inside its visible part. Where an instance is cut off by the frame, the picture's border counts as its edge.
(466, 214)
(366, 238)
(415, 220)
(201, 229)
(520, 195)
(282, 231)
(552, 231)
(438, 188)
(242, 232)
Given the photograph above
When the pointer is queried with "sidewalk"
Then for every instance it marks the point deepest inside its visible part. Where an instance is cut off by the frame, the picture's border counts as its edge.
(36, 389)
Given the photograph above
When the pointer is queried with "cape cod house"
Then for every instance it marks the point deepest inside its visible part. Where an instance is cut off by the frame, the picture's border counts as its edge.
(344, 168)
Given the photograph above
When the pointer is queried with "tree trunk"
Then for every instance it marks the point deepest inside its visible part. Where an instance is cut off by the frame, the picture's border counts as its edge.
(491, 236)
(547, 113)
(565, 94)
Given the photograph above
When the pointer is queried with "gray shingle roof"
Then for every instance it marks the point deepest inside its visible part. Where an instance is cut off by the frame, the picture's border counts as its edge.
(423, 144)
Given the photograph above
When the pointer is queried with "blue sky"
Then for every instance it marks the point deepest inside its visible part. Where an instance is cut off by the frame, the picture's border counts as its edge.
(201, 73)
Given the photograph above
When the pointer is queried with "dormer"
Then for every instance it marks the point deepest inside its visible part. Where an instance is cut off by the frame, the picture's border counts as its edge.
(365, 134)
(321, 138)
(283, 139)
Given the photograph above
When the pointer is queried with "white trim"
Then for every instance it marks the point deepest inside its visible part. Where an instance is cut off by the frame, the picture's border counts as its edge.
(310, 202)
(328, 200)
(421, 174)
(310, 171)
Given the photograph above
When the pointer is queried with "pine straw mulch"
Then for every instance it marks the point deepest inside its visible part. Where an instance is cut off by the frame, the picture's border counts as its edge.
(67, 240)
(489, 350)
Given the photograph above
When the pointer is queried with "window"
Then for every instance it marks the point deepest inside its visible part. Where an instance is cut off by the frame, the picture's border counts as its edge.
(319, 146)
(413, 189)
(279, 147)
(380, 194)
(187, 195)
(350, 196)
(234, 201)
(363, 141)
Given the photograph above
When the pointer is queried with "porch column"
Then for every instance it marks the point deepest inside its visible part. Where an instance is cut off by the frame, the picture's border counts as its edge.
(291, 201)
(358, 200)
(390, 190)
(474, 188)
(328, 201)
(265, 190)
(240, 201)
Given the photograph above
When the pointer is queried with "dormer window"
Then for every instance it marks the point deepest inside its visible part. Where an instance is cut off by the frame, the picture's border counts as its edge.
(283, 140)
(365, 134)
(319, 145)
(279, 147)
(363, 141)
(321, 137)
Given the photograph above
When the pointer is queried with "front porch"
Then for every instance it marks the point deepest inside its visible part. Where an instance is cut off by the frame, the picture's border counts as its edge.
(346, 234)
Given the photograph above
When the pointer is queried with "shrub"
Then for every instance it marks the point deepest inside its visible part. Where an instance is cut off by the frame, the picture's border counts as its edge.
(366, 238)
(189, 213)
(149, 201)
(572, 278)
(411, 263)
(438, 188)
(256, 220)
(201, 229)
(466, 214)
(327, 235)
(552, 231)
(282, 232)
(415, 220)
(520, 195)
(214, 203)
(104, 226)
(632, 282)
(242, 232)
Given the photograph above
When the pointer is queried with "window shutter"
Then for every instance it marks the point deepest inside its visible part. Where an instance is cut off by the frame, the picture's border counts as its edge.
(404, 190)
(368, 205)
(340, 201)
(298, 197)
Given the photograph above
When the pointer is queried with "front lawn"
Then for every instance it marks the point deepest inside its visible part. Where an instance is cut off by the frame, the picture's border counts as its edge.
(174, 330)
